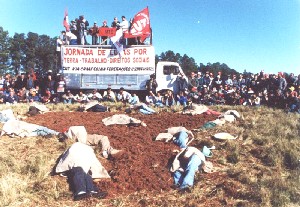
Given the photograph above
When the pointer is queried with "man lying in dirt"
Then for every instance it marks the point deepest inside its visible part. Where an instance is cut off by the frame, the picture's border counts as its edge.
(123, 119)
(93, 106)
(79, 134)
(180, 136)
(35, 109)
(77, 163)
(143, 108)
(186, 163)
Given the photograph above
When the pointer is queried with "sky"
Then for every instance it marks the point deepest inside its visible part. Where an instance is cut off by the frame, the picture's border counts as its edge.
(251, 35)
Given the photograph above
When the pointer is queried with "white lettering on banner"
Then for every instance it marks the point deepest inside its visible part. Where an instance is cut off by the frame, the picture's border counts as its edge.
(107, 61)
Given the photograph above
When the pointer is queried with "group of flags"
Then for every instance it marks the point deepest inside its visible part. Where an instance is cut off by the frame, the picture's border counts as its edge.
(140, 27)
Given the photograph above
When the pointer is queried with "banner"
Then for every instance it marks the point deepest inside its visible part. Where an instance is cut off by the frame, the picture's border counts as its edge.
(140, 25)
(107, 31)
(94, 60)
(66, 21)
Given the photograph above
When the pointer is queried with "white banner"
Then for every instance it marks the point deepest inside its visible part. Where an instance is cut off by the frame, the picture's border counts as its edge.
(82, 59)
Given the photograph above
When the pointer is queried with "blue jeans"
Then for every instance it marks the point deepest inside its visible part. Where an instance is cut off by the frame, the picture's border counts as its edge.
(183, 103)
(41, 131)
(181, 139)
(144, 109)
(82, 182)
(186, 179)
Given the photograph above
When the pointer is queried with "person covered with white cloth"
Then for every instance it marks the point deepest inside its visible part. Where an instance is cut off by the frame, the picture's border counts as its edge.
(79, 134)
(81, 165)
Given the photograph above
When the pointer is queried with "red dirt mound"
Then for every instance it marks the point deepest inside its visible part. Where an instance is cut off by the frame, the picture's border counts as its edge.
(143, 165)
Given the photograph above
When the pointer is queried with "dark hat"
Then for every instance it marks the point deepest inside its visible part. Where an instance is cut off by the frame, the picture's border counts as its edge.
(121, 89)
(123, 17)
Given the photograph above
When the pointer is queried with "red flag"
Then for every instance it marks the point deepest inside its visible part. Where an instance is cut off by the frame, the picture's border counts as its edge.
(66, 21)
(140, 26)
(107, 31)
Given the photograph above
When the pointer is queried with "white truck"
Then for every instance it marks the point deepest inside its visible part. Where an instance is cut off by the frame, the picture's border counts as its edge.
(100, 67)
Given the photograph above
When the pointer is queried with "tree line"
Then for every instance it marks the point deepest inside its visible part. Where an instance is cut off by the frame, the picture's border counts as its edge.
(23, 52)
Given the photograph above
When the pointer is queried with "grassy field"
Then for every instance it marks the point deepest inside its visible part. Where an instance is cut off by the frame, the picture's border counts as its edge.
(260, 168)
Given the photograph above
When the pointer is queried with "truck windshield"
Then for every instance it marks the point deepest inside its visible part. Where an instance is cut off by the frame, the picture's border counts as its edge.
(171, 69)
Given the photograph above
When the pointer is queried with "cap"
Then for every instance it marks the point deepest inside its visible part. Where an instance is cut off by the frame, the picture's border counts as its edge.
(95, 22)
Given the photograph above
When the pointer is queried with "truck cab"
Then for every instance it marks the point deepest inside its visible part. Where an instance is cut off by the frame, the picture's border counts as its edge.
(166, 76)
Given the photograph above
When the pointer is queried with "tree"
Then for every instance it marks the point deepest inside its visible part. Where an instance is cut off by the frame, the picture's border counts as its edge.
(17, 52)
(45, 54)
(4, 50)
(30, 52)
(188, 64)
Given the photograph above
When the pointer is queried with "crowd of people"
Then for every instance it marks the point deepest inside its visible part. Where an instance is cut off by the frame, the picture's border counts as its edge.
(79, 28)
(277, 91)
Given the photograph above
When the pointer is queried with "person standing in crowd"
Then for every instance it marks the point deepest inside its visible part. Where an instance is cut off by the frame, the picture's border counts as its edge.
(82, 25)
(21, 82)
(282, 82)
(104, 39)
(200, 81)
(61, 84)
(151, 84)
(182, 82)
(124, 25)
(73, 27)
(59, 43)
(192, 81)
(115, 23)
(206, 80)
(94, 33)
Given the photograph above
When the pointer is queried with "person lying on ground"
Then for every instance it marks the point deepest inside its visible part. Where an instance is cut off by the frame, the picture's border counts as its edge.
(77, 162)
(35, 109)
(123, 119)
(186, 163)
(143, 108)
(23, 129)
(79, 134)
(180, 136)
(93, 106)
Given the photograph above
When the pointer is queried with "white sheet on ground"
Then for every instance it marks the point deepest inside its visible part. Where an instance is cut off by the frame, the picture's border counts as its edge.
(81, 155)
(120, 119)
(196, 109)
(6, 115)
(24, 129)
